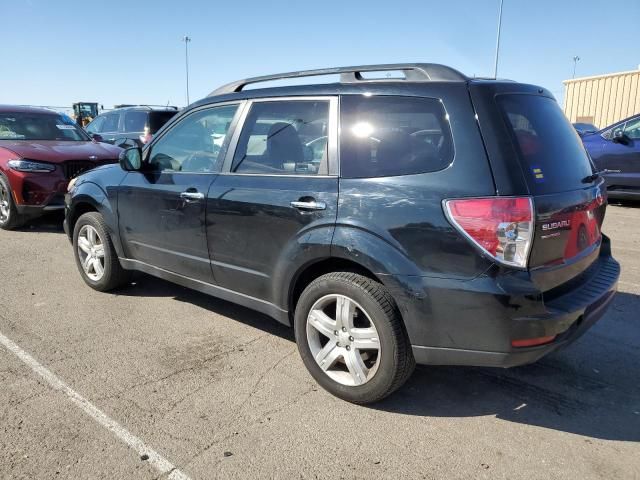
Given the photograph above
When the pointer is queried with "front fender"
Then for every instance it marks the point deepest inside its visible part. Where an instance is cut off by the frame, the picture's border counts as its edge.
(90, 196)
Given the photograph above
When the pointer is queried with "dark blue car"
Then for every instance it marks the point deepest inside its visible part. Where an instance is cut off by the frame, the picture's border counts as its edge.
(617, 149)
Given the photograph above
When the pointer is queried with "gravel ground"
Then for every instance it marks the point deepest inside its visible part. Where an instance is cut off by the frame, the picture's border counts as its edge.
(220, 392)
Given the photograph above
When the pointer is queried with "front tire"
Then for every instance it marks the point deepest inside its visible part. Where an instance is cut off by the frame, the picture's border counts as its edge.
(95, 255)
(9, 216)
(351, 337)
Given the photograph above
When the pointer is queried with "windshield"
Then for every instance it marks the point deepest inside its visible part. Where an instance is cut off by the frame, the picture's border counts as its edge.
(39, 126)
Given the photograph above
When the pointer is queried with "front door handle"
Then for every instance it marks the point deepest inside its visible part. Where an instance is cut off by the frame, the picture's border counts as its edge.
(309, 205)
(192, 196)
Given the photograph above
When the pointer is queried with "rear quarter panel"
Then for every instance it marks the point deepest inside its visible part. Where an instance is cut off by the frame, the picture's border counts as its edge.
(397, 225)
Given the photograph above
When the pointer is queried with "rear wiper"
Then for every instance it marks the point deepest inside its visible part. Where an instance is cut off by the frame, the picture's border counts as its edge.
(594, 176)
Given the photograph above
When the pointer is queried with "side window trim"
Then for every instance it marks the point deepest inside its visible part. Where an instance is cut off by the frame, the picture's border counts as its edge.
(332, 149)
(177, 120)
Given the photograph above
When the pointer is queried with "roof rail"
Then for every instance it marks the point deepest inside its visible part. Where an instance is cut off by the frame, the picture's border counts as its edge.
(148, 105)
(413, 72)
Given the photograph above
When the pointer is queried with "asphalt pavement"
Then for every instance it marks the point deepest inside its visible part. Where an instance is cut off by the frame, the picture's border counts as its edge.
(157, 381)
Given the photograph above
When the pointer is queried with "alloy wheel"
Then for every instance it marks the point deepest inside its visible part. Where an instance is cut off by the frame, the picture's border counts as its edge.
(343, 340)
(5, 208)
(91, 252)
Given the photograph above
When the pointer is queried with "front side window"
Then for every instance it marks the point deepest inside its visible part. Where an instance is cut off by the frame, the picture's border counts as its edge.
(195, 143)
(135, 121)
(387, 136)
(632, 129)
(39, 126)
(111, 122)
(285, 137)
(96, 125)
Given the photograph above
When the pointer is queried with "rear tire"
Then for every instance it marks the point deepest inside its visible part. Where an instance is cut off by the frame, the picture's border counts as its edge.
(95, 256)
(9, 216)
(360, 355)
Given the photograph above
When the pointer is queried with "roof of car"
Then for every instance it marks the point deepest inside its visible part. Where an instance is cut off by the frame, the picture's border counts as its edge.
(148, 108)
(352, 80)
(26, 109)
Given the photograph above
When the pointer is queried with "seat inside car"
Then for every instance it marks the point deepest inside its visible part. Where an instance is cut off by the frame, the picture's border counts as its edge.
(284, 148)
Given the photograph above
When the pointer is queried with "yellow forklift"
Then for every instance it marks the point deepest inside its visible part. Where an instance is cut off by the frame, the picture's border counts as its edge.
(84, 112)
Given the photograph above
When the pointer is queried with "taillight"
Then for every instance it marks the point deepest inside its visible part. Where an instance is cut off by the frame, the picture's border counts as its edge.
(501, 226)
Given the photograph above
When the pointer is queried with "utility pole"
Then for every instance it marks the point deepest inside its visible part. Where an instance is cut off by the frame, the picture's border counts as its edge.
(495, 65)
(186, 39)
(576, 59)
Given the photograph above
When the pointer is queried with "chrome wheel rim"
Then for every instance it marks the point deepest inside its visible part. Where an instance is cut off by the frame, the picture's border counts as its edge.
(343, 340)
(91, 252)
(5, 209)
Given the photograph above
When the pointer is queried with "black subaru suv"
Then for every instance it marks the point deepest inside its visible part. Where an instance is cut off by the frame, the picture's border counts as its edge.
(427, 217)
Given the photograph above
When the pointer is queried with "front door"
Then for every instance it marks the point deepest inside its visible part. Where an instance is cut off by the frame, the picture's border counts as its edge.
(162, 208)
(277, 193)
(623, 157)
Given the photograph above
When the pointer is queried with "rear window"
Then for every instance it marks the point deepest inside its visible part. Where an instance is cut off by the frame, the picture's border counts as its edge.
(158, 119)
(550, 150)
(387, 136)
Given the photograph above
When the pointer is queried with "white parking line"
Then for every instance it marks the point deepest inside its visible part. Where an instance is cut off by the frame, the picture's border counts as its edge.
(160, 463)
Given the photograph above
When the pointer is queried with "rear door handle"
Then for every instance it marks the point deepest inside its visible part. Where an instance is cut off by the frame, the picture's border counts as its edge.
(192, 196)
(309, 205)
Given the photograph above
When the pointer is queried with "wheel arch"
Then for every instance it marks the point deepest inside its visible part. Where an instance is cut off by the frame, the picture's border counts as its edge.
(89, 197)
(309, 272)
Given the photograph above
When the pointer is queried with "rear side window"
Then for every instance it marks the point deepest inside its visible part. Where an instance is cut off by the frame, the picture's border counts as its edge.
(110, 123)
(550, 151)
(387, 136)
(135, 121)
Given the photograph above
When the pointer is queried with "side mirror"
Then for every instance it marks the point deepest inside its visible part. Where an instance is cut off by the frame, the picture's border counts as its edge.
(97, 138)
(619, 137)
(131, 159)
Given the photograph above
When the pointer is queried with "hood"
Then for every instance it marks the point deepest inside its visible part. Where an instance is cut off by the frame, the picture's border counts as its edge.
(55, 151)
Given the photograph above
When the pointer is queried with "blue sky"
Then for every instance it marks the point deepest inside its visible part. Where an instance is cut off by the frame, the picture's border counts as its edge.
(59, 52)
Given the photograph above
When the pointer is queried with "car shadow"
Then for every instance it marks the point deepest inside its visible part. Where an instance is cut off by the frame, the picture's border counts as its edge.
(624, 203)
(147, 286)
(591, 388)
(48, 223)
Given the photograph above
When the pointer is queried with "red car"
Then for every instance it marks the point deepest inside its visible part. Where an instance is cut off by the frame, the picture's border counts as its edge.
(40, 151)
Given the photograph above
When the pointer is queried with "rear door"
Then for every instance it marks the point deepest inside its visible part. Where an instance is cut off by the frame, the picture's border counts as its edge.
(162, 208)
(278, 191)
(541, 154)
(134, 123)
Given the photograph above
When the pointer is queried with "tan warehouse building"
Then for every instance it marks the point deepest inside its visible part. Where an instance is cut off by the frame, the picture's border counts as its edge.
(603, 99)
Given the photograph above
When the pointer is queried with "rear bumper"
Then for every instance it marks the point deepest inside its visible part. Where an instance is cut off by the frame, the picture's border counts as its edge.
(474, 322)
(520, 356)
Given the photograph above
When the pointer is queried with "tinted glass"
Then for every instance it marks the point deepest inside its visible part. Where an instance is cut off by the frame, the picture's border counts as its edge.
(158, 119)
(196, 143)
(284, 137)
(111, 122)
(39, 126)
(135, 121)
(388, 136)
(550, 150)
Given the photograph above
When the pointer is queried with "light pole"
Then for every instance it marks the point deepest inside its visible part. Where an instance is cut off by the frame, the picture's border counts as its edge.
(186, 39)
(576, 59)
(495, 65)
